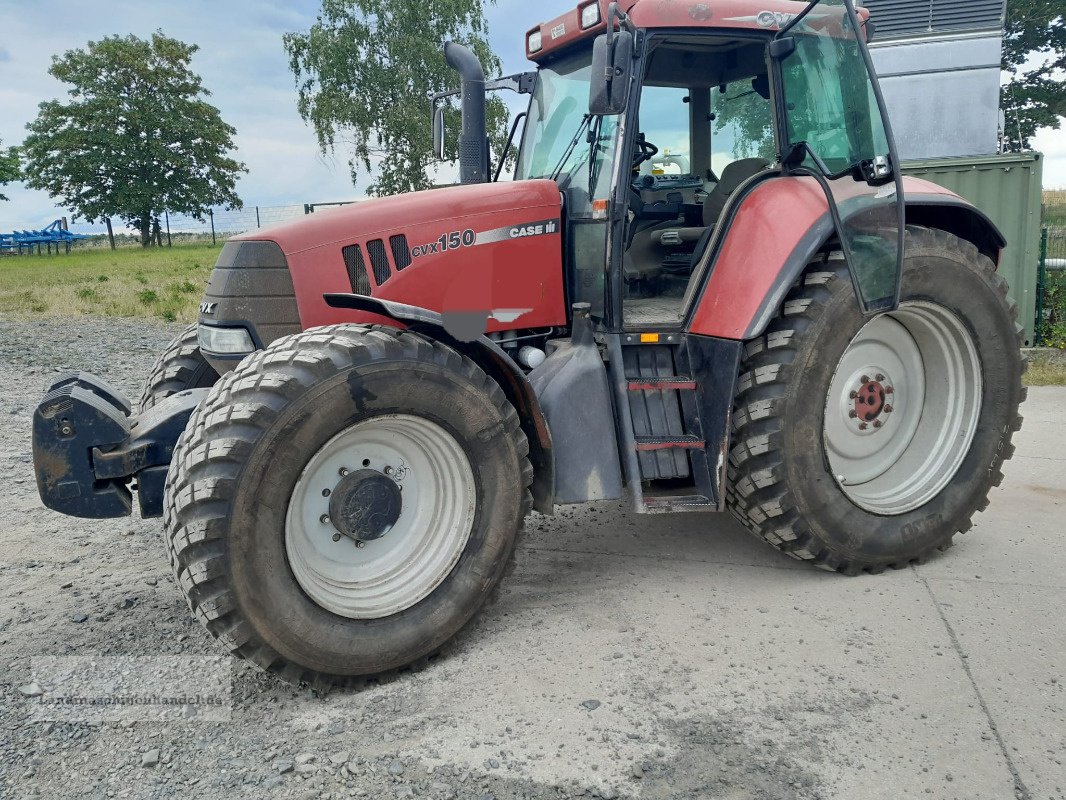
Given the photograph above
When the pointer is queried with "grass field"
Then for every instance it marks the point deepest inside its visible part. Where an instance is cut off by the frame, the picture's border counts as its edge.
(163, 284)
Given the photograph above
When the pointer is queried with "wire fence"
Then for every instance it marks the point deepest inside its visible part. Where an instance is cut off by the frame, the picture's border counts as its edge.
(215, 226)
(1051, 277)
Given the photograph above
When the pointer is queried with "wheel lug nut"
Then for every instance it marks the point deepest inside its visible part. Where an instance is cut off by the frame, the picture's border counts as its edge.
(324, 519)
(342, 471)
(888, 409)
(852, 395)
(388, 470)
(865, 379)
(863, 426)
(852, 413)
(359, 543)
(878, 423)
(888, 390)
(336, 537)
(879, 377)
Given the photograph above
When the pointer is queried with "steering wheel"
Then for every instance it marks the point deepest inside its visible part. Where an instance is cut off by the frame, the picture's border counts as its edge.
(645, 151)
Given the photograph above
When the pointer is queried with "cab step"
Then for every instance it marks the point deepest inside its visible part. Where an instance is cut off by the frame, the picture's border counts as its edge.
(646, 443)
(679, 382)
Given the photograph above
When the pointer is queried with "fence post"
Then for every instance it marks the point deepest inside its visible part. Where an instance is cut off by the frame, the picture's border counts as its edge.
(257, 217)
(167, 215)
(110, 232)
(211, 212)
(1041, 287)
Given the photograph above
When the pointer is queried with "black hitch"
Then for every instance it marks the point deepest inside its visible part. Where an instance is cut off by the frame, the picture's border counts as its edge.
(90, 452)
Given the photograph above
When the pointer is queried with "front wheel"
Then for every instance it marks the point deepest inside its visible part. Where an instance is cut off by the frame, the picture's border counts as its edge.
(180, 367)
(864, 443)
(342, 503)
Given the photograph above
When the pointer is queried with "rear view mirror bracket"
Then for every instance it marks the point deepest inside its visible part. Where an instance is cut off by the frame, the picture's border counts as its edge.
(613, 53)
(782, 48)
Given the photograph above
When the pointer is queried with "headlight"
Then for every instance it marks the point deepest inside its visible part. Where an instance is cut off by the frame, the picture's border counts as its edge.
(534, 42)
(224, 340)
(590, 15)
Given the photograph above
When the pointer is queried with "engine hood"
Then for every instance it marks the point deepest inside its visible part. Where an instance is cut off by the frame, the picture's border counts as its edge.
(489, 251)
(380, 216)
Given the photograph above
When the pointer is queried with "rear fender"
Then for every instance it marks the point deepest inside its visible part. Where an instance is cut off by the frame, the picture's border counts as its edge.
(486, 354)
(779, 226)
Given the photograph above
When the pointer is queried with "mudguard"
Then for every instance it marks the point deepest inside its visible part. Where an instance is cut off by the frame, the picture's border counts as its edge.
(456, 331)
(777, 228)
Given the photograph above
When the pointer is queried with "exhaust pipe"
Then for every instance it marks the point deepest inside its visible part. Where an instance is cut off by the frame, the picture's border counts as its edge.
(473, 141)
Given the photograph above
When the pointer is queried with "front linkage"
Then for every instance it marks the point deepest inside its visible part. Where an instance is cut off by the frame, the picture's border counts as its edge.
(90, 451)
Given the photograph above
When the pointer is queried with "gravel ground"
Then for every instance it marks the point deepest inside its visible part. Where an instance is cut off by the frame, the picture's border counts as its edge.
(627, 656)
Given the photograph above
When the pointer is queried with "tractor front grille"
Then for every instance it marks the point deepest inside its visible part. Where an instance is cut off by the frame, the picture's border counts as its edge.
(379, 260)
(356, 266)
(401, 253)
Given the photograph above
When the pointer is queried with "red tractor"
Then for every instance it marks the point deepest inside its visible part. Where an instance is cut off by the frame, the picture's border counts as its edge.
(707, 287)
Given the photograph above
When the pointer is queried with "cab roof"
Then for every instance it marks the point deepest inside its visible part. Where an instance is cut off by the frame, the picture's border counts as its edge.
(761, 15)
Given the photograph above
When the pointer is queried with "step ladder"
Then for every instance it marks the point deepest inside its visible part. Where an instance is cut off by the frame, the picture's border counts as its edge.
(659, 429)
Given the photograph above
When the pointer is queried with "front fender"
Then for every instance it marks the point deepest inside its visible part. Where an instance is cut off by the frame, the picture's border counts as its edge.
(491, 358)
(779, 226)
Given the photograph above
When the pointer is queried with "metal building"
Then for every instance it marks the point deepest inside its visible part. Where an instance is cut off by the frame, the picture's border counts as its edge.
(939, 65)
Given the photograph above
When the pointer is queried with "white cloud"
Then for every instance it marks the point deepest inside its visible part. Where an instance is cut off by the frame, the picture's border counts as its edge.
(1052, 144)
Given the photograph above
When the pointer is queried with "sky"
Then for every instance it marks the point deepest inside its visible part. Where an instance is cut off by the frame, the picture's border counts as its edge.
(243, 64)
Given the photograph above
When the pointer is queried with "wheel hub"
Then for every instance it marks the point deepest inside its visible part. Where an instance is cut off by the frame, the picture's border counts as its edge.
(872, 400)
(902, 408)
(352, 545)
(365, 505)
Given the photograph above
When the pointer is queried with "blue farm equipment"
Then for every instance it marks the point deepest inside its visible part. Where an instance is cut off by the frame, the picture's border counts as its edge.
(55, 234)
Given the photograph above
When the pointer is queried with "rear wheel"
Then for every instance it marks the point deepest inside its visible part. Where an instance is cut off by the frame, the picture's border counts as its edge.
(343, 502)
(860, 443)
(181, 366)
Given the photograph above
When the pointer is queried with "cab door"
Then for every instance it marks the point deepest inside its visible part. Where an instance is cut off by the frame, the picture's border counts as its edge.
(834, 126)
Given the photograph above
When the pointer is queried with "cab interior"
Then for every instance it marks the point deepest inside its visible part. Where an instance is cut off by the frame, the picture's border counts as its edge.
(705, 126)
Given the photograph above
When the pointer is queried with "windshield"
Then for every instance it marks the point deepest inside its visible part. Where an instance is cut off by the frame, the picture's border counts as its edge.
(562, 141)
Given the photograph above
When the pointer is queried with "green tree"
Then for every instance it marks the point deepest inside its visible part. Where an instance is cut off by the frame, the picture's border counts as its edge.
(1034, 58)
(135, 138)
(9, 167)
(363, 72)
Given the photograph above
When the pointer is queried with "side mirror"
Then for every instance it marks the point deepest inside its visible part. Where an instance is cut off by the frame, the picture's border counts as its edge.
(612, 71)
(438, 131)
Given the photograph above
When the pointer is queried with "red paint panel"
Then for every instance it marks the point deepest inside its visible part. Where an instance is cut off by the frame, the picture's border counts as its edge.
(504, 266)
(764, 15)
(768, 226)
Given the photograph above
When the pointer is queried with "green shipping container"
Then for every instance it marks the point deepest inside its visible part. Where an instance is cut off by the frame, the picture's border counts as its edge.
(1007, 189)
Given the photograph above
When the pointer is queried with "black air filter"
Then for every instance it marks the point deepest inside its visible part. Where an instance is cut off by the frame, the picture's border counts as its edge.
(379, 260)
(353, 262)
(401, 253)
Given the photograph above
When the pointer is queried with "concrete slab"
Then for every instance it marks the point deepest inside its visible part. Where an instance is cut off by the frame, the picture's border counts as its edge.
(1013, 641)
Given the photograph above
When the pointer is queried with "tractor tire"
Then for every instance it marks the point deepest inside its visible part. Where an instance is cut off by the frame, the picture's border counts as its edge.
(181, 366)
(343, 502)
(864, 443)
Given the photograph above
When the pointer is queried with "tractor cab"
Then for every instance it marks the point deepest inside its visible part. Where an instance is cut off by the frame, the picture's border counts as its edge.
(651, 125)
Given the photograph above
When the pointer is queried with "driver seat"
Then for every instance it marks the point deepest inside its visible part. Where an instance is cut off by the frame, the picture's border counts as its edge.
(645, 255)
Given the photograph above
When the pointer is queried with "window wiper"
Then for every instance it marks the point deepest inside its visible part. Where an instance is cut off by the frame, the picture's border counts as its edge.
(570, 147)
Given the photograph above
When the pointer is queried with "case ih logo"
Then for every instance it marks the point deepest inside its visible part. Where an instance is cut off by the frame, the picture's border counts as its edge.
(558, 30)
(456, 239)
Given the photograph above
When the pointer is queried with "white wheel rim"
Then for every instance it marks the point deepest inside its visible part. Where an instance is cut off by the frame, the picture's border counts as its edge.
(380, 577)
(902, 408)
